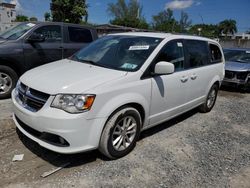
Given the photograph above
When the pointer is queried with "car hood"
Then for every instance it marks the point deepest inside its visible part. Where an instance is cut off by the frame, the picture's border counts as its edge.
(237, 66)
(66, 76)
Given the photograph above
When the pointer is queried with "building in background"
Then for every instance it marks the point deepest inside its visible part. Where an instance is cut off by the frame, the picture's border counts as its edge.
(7, 15)
(105, 29)
(243, 36)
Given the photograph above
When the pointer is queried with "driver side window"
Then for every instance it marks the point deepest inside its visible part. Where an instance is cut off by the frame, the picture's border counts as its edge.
(173, 52)
(52, 33)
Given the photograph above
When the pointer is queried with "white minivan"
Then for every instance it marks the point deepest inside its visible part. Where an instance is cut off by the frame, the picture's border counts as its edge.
(107, 93)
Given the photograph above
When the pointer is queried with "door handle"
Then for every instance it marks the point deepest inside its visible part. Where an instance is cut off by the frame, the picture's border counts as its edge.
(193, 76)
(184, 79)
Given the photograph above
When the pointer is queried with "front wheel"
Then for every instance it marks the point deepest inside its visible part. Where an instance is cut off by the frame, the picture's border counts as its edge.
(210, 100)
(8, 80)
(120, 133)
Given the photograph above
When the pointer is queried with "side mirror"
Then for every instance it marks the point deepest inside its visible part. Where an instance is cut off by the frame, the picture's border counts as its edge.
(36, 38)
(164, 67)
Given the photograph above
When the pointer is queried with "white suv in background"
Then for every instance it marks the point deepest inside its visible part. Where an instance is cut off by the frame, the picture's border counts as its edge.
(107, 93)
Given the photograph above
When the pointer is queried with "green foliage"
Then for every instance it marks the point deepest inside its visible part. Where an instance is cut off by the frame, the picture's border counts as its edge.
(68, 10)
(165, 21)
(206, 30)
(47, 16)
(21, 18)
(33, 19)
(227, 27)
(127, 14)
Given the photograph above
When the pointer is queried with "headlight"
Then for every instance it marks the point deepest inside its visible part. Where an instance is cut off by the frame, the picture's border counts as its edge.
(73, 103)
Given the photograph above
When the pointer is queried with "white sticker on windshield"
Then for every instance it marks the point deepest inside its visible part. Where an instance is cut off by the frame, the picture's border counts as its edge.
(248, 52)
(179, 44)
(30, 24)
(128, 66)
(141, 47)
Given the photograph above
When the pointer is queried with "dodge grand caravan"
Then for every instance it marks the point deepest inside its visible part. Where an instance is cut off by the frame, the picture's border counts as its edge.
(118, 86)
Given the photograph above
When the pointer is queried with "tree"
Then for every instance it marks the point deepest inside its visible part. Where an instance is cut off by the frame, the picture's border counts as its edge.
(164, 21)
(21, 18)
(227, 27)
(33, 19)
(127, 14)
(47, 16)
(68, 10)
(206, 30)
(184, 23)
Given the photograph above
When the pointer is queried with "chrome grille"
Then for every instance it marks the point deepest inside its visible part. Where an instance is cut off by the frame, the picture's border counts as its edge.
(242, 75)
(29, 98)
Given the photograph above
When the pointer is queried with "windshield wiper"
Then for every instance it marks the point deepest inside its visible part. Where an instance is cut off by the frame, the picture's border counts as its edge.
(91, 62)
(88, 61)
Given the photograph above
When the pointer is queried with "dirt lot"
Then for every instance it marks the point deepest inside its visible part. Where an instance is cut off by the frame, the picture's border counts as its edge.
(194, 150)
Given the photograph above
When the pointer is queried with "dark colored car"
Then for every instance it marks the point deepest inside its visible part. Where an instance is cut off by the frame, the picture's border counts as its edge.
(31, 44)
(237, 67)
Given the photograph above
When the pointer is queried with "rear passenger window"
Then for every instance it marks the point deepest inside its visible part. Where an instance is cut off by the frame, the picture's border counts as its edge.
(80, 35)
(215, 53)
(172, 52)
(196, 53)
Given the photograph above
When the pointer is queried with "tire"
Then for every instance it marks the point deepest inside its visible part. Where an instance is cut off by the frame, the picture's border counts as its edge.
(210, 100)
(115, 134)
(8, 80)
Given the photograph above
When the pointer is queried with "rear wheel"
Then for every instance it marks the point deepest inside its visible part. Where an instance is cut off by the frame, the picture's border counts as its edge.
(120, 133)
(8, 80)
(210, 100)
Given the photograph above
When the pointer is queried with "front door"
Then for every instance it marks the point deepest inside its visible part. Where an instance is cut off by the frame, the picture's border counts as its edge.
(169, 91)
(39, 53)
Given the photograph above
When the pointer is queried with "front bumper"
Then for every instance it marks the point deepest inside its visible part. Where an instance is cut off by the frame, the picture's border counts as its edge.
(245, 81)
(80, 133)
(235, 81)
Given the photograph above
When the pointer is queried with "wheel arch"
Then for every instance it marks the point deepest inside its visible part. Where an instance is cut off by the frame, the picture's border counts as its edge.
(13, 65)
(216, 80)
(139, 107)
(135, 105)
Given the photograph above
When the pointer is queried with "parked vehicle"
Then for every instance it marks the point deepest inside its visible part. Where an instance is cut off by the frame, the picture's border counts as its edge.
(237, 67)
(29, 45)
(116, 87)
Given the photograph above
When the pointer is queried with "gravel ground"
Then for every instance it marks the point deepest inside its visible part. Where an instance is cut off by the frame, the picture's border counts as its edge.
(193, 150)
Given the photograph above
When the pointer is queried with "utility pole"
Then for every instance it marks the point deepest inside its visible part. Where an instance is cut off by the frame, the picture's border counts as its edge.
(201, 19)
(138, 13)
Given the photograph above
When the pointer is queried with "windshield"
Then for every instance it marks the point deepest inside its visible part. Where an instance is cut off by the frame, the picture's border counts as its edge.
(17, 31)
(242, 56)
(127, 53)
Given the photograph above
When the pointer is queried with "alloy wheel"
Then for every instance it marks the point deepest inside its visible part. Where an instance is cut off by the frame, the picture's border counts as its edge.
(211, 98)
(5, 83)
(124, 133)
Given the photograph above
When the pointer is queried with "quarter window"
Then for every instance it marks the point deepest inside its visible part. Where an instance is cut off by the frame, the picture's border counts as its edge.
(196, 53)
(80, 35)
(172, 52)
(215, 53)
(52, 33)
